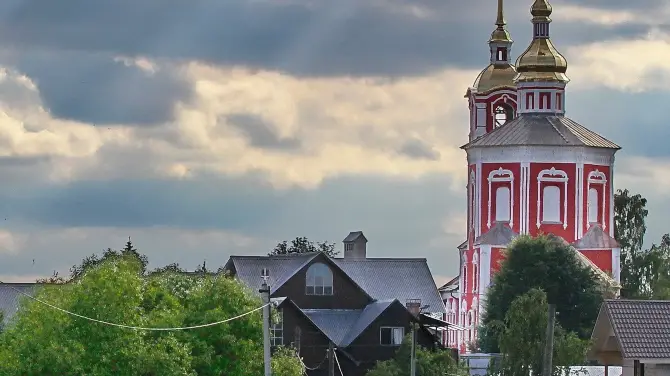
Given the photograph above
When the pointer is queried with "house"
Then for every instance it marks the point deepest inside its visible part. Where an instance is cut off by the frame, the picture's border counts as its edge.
(634, 334)
(355, 303)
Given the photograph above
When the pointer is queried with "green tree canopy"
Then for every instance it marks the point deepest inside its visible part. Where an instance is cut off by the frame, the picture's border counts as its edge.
(304, 245)
(43, 341)
(428, 362)
(523, 335)
(551, 266)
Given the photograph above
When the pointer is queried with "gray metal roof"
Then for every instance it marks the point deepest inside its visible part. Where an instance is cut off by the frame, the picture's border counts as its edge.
(541, 130)
(499, 234)
(353, 236)
(642, 327)
(9, 298)
(369, 314)
(334, 323)
(595, 237)
(381, 278)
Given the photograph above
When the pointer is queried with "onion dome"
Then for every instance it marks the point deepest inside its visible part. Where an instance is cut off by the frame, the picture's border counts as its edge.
(500, 73)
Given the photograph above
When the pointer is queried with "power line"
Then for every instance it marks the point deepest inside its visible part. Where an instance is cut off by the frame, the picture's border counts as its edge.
(338, 363)
(315, 368)
(130, 326)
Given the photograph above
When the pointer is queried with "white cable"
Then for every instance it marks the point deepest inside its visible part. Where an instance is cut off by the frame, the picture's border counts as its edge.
(338, 362)
(315, 368)
(135, 327)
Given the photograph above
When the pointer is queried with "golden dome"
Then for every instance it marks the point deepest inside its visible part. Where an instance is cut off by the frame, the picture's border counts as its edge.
(541, 61)
(541, 8)
(495, 77)
(500, 34)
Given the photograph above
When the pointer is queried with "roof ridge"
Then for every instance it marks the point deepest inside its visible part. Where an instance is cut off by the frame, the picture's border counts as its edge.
(550, 120)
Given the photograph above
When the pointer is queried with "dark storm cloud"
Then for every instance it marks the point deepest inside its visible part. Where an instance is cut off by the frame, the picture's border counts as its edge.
(329, 37)
(412, 211)
(261, 134)
(418, 149)
(97, 89)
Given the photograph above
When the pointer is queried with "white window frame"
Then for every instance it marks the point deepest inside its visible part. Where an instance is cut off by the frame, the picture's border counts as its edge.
(475, 272)
(592, 205)
(277, 330)
(554, 176)
(394, 330)
(597, 177)
(505, 176)
(310, 280)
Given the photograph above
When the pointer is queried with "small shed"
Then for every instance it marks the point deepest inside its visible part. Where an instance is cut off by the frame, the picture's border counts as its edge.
(634, 334)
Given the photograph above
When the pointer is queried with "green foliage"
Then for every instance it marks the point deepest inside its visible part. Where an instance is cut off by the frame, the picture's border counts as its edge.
(522, 341)
(428, 363)
(43, 341)
(546, 264)
(303, 245)
(285, 362)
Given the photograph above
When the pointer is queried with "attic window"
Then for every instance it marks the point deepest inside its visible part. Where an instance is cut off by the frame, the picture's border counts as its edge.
(319, 280)
(348, 247)
(391, 336)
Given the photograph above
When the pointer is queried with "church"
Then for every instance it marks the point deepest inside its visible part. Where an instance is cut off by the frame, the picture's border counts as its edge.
(531, 170)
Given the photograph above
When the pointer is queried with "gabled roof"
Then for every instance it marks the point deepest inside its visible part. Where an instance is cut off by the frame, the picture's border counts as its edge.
(369, 314)
(380, 278)
(642, 327)
(353, 236)
(463, 245)
(451, 285)
(499, 234)
(541, 130)
(596, 237)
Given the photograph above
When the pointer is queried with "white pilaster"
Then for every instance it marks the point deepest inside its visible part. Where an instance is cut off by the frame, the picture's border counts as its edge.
(616, 264)
(579, 202)
(478, 189)
(525, 196)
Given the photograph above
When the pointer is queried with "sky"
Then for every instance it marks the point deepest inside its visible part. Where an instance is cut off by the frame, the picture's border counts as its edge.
(207, 128)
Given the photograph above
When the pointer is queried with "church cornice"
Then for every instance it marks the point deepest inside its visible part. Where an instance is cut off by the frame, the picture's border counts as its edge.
(542, 154)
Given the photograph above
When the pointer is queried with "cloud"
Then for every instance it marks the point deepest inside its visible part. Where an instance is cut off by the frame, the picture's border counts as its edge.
(420, 150)
(259, 133)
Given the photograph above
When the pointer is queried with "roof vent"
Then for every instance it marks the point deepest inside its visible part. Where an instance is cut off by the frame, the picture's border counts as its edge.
(355, 246)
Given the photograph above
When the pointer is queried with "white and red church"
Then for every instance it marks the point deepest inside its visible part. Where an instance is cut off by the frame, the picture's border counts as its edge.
(531, 170)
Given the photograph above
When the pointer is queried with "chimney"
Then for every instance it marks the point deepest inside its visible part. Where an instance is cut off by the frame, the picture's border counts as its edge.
(355, 246)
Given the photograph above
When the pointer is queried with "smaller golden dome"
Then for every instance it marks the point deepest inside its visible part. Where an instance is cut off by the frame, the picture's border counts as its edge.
(540, 8)
(500, 35)
(495, 77)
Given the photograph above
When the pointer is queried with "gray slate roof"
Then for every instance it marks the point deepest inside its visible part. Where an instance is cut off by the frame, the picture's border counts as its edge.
(381, 278)
(343, 326)
(541, 130)
(499, 234)
(9, 298)
(595, 237)
(353, 236)
(642, 327)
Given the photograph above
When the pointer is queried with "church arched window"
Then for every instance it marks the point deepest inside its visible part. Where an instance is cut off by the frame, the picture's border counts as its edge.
(502, 114)
(593, 205)
(502, 204)
(551, 204)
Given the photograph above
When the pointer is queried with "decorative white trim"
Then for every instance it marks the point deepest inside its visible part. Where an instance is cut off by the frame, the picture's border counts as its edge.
(611, 216)
(484, 98)
(541, 154)
(579, 203)
(525, 198)
(597, 177)
(550, 176)
(497, 176)
(478, 224)
(484, 270)
(471, 200)
(616, 264)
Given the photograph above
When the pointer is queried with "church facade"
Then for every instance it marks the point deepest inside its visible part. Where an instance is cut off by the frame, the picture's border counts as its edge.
(531, 170)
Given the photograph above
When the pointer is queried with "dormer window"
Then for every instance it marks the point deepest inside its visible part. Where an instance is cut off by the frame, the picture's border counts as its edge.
(319, 280)
(349, 246)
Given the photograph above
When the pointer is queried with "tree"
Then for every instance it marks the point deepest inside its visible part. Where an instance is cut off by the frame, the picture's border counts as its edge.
(303, 245)
(44, 341)
(285, 362)
(629, 229)
(523, 339)
(428, 362)
(551, 266)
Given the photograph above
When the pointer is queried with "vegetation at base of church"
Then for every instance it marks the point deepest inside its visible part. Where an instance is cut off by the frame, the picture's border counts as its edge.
(523, 334)
(645, 274)
(304, 245)
(115, 288)
(546, 264)
(428, 363)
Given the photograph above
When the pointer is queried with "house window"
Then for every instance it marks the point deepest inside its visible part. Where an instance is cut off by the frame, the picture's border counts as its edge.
(593, 205)
(502, 204)
(349, 246)
(319, 280)
(551, 204)
(391, 336)
(277, 330)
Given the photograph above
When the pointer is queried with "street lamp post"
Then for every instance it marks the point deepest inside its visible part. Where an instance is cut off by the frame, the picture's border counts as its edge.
(414, 307)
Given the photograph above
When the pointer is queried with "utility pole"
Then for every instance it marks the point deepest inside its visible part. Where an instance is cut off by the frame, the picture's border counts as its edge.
(414, 307)
(331, 359)
(549, 344)
(265, 294)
